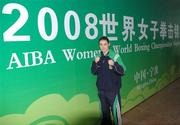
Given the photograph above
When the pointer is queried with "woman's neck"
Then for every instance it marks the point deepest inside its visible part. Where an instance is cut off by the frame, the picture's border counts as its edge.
(105, 53)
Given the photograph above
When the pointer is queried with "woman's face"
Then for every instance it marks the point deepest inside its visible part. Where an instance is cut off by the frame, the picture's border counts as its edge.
(104, 46)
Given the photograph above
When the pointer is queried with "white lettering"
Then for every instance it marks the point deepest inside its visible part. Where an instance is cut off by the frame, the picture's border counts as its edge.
(50, 57)
(30, 59)
(14, 60)
(69, 54)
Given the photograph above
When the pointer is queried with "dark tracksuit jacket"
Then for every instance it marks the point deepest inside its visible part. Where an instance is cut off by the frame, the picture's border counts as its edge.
(107, 79)
(108, 83)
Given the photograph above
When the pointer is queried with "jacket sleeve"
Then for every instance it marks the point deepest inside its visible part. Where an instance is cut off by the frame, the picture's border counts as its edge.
(118, 69)
(94, 68)
(119, 66)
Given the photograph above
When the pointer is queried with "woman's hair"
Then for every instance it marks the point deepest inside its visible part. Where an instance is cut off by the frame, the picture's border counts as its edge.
(104, 38)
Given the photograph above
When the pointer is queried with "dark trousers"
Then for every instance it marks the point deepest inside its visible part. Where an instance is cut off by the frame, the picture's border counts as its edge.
(110, 103)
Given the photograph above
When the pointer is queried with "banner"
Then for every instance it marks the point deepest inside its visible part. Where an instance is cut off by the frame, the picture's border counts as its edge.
(47, 48)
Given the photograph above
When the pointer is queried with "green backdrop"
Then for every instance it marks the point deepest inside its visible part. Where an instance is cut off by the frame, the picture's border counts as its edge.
(46, 50)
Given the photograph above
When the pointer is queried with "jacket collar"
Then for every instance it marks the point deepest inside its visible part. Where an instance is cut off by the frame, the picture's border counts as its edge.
(102, 54)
